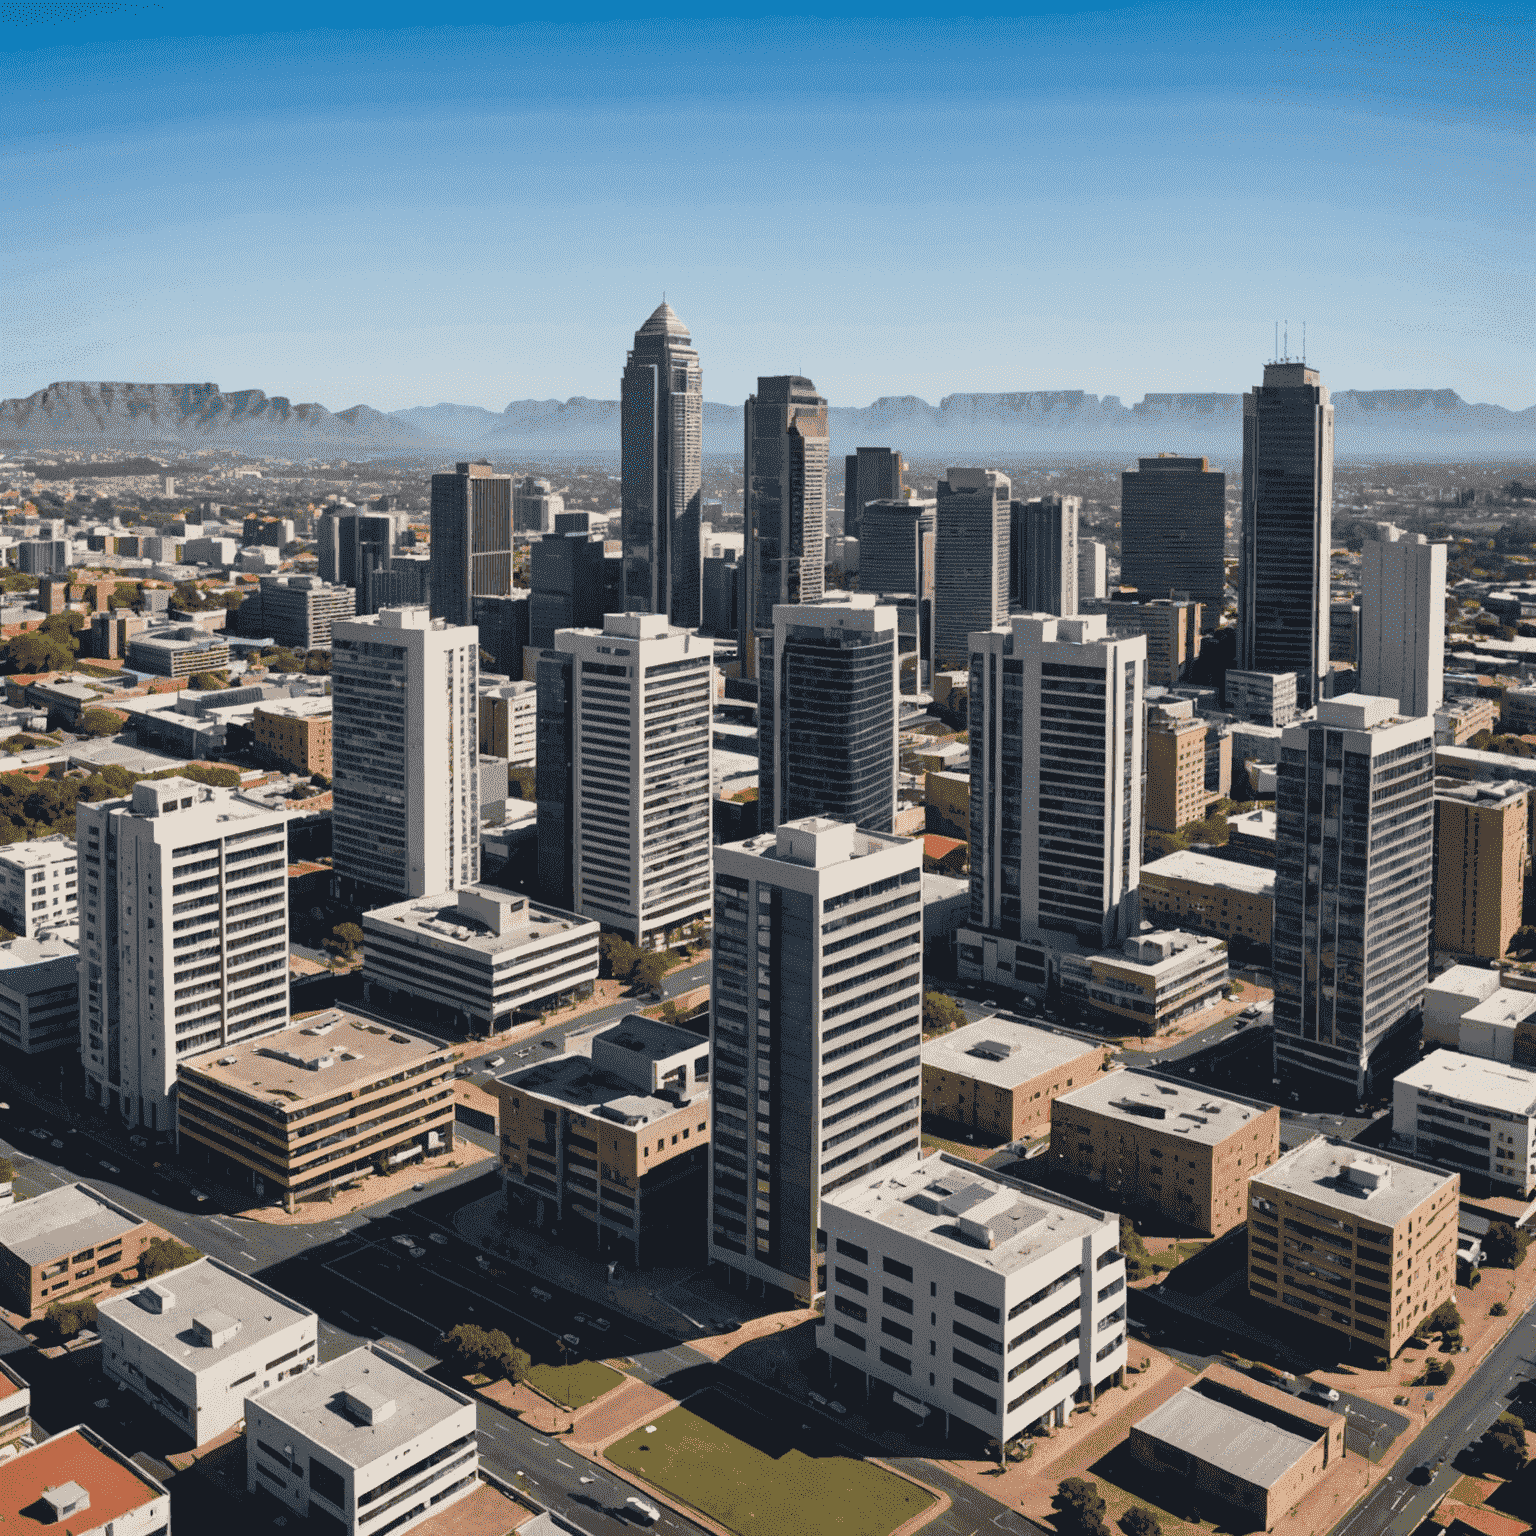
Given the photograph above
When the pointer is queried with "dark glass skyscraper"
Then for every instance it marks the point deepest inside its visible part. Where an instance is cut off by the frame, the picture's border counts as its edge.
(870, 474)
(471, 540)
(1173, 530)
(662, 422)
(1042, 564)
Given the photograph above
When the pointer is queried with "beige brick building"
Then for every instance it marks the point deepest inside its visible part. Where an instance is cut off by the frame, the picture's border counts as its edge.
(1210, 895)
(64, 1244)
(1184, 776)
(1481, 841)
(295, 734)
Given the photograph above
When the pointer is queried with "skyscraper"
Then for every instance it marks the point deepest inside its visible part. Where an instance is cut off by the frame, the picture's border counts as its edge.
(870, 474)
(786, 499)
(1283, 594)
(405, 750)
(1354, 877)
(535, 505)
(1043, 555)
(815, 1035)
(1402, 619)
(662, 410)
(828, 704)
(897, 549)
(971, 559)
(1173, 530)
(471, 540)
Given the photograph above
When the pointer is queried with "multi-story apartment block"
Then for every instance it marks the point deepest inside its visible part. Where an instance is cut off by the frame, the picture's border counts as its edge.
(15, 1408)
(471, 513)
(1472, 1115)
(1210, 895)
(1178, 791)
(1024, 1293)
(1263, 698)
(1517, 710)
(64, 1244)
(1153, 980)
(1482, 854)
(295, 733)
(183, 937)
(296, 611)
(1173, 529)
(1457, 721)
(1092, 571)
(39, 885)
(509, 723)
(1042, 557)
(1360, 1242)
(1402, 620)
(574, 584)
(76, 1483)
(870, 474)
(1172, 628)
(971, 559)
(815, 1035)
(39, 995)
(1187, 1153)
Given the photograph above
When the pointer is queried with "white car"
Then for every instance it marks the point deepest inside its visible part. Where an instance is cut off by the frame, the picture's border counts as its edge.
(601, 1324)
(404, 1239)
(638, 1509)
(497, 1061)
(110, 1167)
(438, 1238)
(571, 1340)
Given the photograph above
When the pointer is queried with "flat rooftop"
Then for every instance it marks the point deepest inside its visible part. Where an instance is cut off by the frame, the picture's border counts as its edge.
(63, 1220)
(1142, 1099)
(1242, 1444)
(1319, 1170)
(1223, 874)
(1473, 1080)
(115, 1485)
(316, 1404)
(296, 709)
(1465, 981)
(1260, 824)
(491, 921)
(1002, 1052)
(208, 1292)
(22, 954)
(574, 1082)
(939, 1200)
(45, 850)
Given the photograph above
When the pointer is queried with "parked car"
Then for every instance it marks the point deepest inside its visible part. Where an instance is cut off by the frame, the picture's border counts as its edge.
(571, 1340)
(601, 1324)
(538, 1294)
(404, 1239)
(640, 1512)
(417, 1253)
(497, 1061)
(438, 1238)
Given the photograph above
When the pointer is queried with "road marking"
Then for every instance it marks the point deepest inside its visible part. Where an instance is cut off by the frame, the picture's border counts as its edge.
(245, 1255)
(566, 1464)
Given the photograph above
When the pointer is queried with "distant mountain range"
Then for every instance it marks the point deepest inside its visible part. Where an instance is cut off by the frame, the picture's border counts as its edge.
(1397, 423)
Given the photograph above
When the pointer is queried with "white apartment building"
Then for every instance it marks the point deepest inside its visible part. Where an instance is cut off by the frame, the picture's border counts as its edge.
(815, 1035)
(1471, 1115)
(509, 723)
(1024, 1293)
(38, 885)
(367, 1440)
(1262, 698)
(39, 995)
(1402, 620)
(405, 752)
(197, 1342)
(183, 936)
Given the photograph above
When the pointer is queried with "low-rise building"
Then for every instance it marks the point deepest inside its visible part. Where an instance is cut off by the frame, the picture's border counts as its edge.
(362, 1445)
(295, 611)
(509, 723)
(1265, 698)
(1451, 996)
(616, 1144)
(195, 1343)
(1208, 895)
(1360, 1242)
(1472, 1115)
(306, 1108)
(1141, 1139)
(182, 651)
(1230, 1441)
(1024, 1292)
(480, 956)
(78, 1485)
(1518, 715)
(1251, 838)
(39, 885)
(1155, 979)
(295, 733)
(1481, 859)
(15, 1407)
(1000, 1078)
(947, 804)
(39, 995)
(63, 1244)
(1457, 721)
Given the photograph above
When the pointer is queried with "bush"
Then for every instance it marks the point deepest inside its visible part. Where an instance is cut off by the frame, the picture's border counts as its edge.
(1138, 1520)
(1138, 1262)
(101, 722)
(346, 939)
(209, 682)
(941, 1012)
(163, 1254)
(487, 1352)
(650, 970)
(1501, 1449)
(1079, 1508)
(64, 1319)
(7, 1170)
(1505, 1245)
(1498, 1309)
(1444, 1319)
(618, 955)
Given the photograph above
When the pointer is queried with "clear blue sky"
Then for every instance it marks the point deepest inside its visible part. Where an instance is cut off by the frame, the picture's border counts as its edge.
(1051, 197)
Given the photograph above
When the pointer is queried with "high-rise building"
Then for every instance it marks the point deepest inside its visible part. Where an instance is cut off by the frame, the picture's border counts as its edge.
(535, 506)
(970, 562)
(897, 548)
(1172, 628)
(1354, 885)
(503, 626)
(405, 732)
(1042, 560)
(1173, 530)
(471, 539)
(1402, 619)
(870, 474)
(295, 611)
(570, 580)
(662, 409)
(1481, 858)
(624, 744)
(786, 500)
(1287, 537)
(1092, 570)
(1180, 787)
(183, 937)
(828, 704)
(815, 1036)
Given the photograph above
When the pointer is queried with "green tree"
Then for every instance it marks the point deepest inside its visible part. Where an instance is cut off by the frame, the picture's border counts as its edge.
(1138, 1520)
(101, 722)
(1446, 1318)
(209, 682)
(64, 1319)
(1504, 1246)
(941, 1012)
(1501, 1449)
(1138, 1261)
(651, 969)
(163, 1254)
(1079, 1508)
(35, 651)
(618, 955)
(346, 939)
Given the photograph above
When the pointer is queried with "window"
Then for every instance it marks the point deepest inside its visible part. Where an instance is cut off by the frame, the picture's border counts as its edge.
(851, 1309)
(895, 1267)
(896, 1299)
(980, 1308)
(971, 1395)
(980, 1367)
(328, 1483)
(852, 1281)
(852, 1251)
(855, 1340)
(896, 1362)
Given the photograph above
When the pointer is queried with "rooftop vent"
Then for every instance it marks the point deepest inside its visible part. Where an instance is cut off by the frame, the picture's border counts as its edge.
(214, 1328)
(367, 1406)
(1366, 1175)
(994, 1050)
(156, 1299)
(66, 1499)
(1146, 1111)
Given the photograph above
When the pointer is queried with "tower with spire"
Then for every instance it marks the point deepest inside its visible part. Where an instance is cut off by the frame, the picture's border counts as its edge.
(662, 414)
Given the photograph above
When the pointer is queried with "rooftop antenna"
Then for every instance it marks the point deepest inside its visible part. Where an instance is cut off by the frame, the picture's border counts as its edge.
(1303, 341)
(1277, 341)
(1287, 357)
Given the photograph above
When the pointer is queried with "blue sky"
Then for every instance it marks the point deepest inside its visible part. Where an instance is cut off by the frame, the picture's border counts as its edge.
(349, 206)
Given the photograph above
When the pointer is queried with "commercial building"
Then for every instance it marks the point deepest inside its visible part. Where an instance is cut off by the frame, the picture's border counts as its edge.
(1173, 529)
(1360, 1242)
(1402, 619)
(63, 1244)
(295, 733)
(1155, 979)
(947, 799)
(1263, 698)
(405, 705)
(1517, 711)
(574, 584)
(1472, 1115)
(183, 938)
(180, 651)
(1251, 838)
(829, 699)
(1354, 887)
(296, 611)
(1042, 558)
(503, 625)
(39, 995)
(971, 559)
(1482, 854)
(1180, 788)
(362, 1437)
(1230, 1441)
(1204, 894)
(111, 632)
(79, 1485)
(1092, 571)
(1024, 1293)
(15, 1409)
(39, 885)
(471, 512)
(613, 1146)
(870, 474)
(1344, 631)
(535, 505)
(485, 958)
(306, 1108)
(509, 723)
(1176, 1148)
(1287, 528)
(1172, 628)
(661, 404)
(817, 1073)
(1000, 1078)
(197, 1342)
(1457, 721)
(896, 553)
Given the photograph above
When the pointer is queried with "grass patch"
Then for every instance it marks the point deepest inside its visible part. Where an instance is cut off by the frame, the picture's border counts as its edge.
(971, 1153)
(752, 1476)
(1175, 1255)
(574, 1386)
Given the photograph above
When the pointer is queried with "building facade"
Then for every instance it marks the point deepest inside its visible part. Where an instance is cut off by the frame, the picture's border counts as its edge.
(295, 734)
(1402, 620)
(471, 513)
(897, 550)
(1482, 856)
(298, 611)
(39, 995)
(535, 505)
(870, 474)
(1155, 979)
(1173, 529)
(1043, 555)
(1172, 628)
(971, 559)
(1472, 1115)
(1262, 698)
(509, 723)
(39, 885)
(65, 1244)
(1179, 790)
(1232, 900)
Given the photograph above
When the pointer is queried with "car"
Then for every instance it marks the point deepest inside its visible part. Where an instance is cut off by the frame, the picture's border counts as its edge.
(110, 1167)
(571, 1340)
(417, 1253)
(1321, 1393)
(416, 1189)
(639, 1511)
(404, 1239)
(1251, 1013)
(497, 1061)
(817, 1398)
(837, 1408)
(39, 1134)
(539, 1294)
(465, 1072)
(138, 1142)
(482, 1261)
(601, 1324)
(438, 1238)
(197, 1195)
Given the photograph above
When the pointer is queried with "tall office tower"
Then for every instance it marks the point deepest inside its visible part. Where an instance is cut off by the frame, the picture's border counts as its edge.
(871, 474)
(624, 742)
(815, 1035)
(1092, 570)
(568, 575)
(828, 702)
(1173, 530)
(1354, 878)
(336, 546)
(897, 549)
(1042, 561)
(970, 560)
(1481, 860)
(1283, 594)
(1402, 619)
(786, 500)
(503, 623)
(535, 505)
(1056, 758)
(405, 753)
(662, 407)
(471, 540)
(166, 974)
